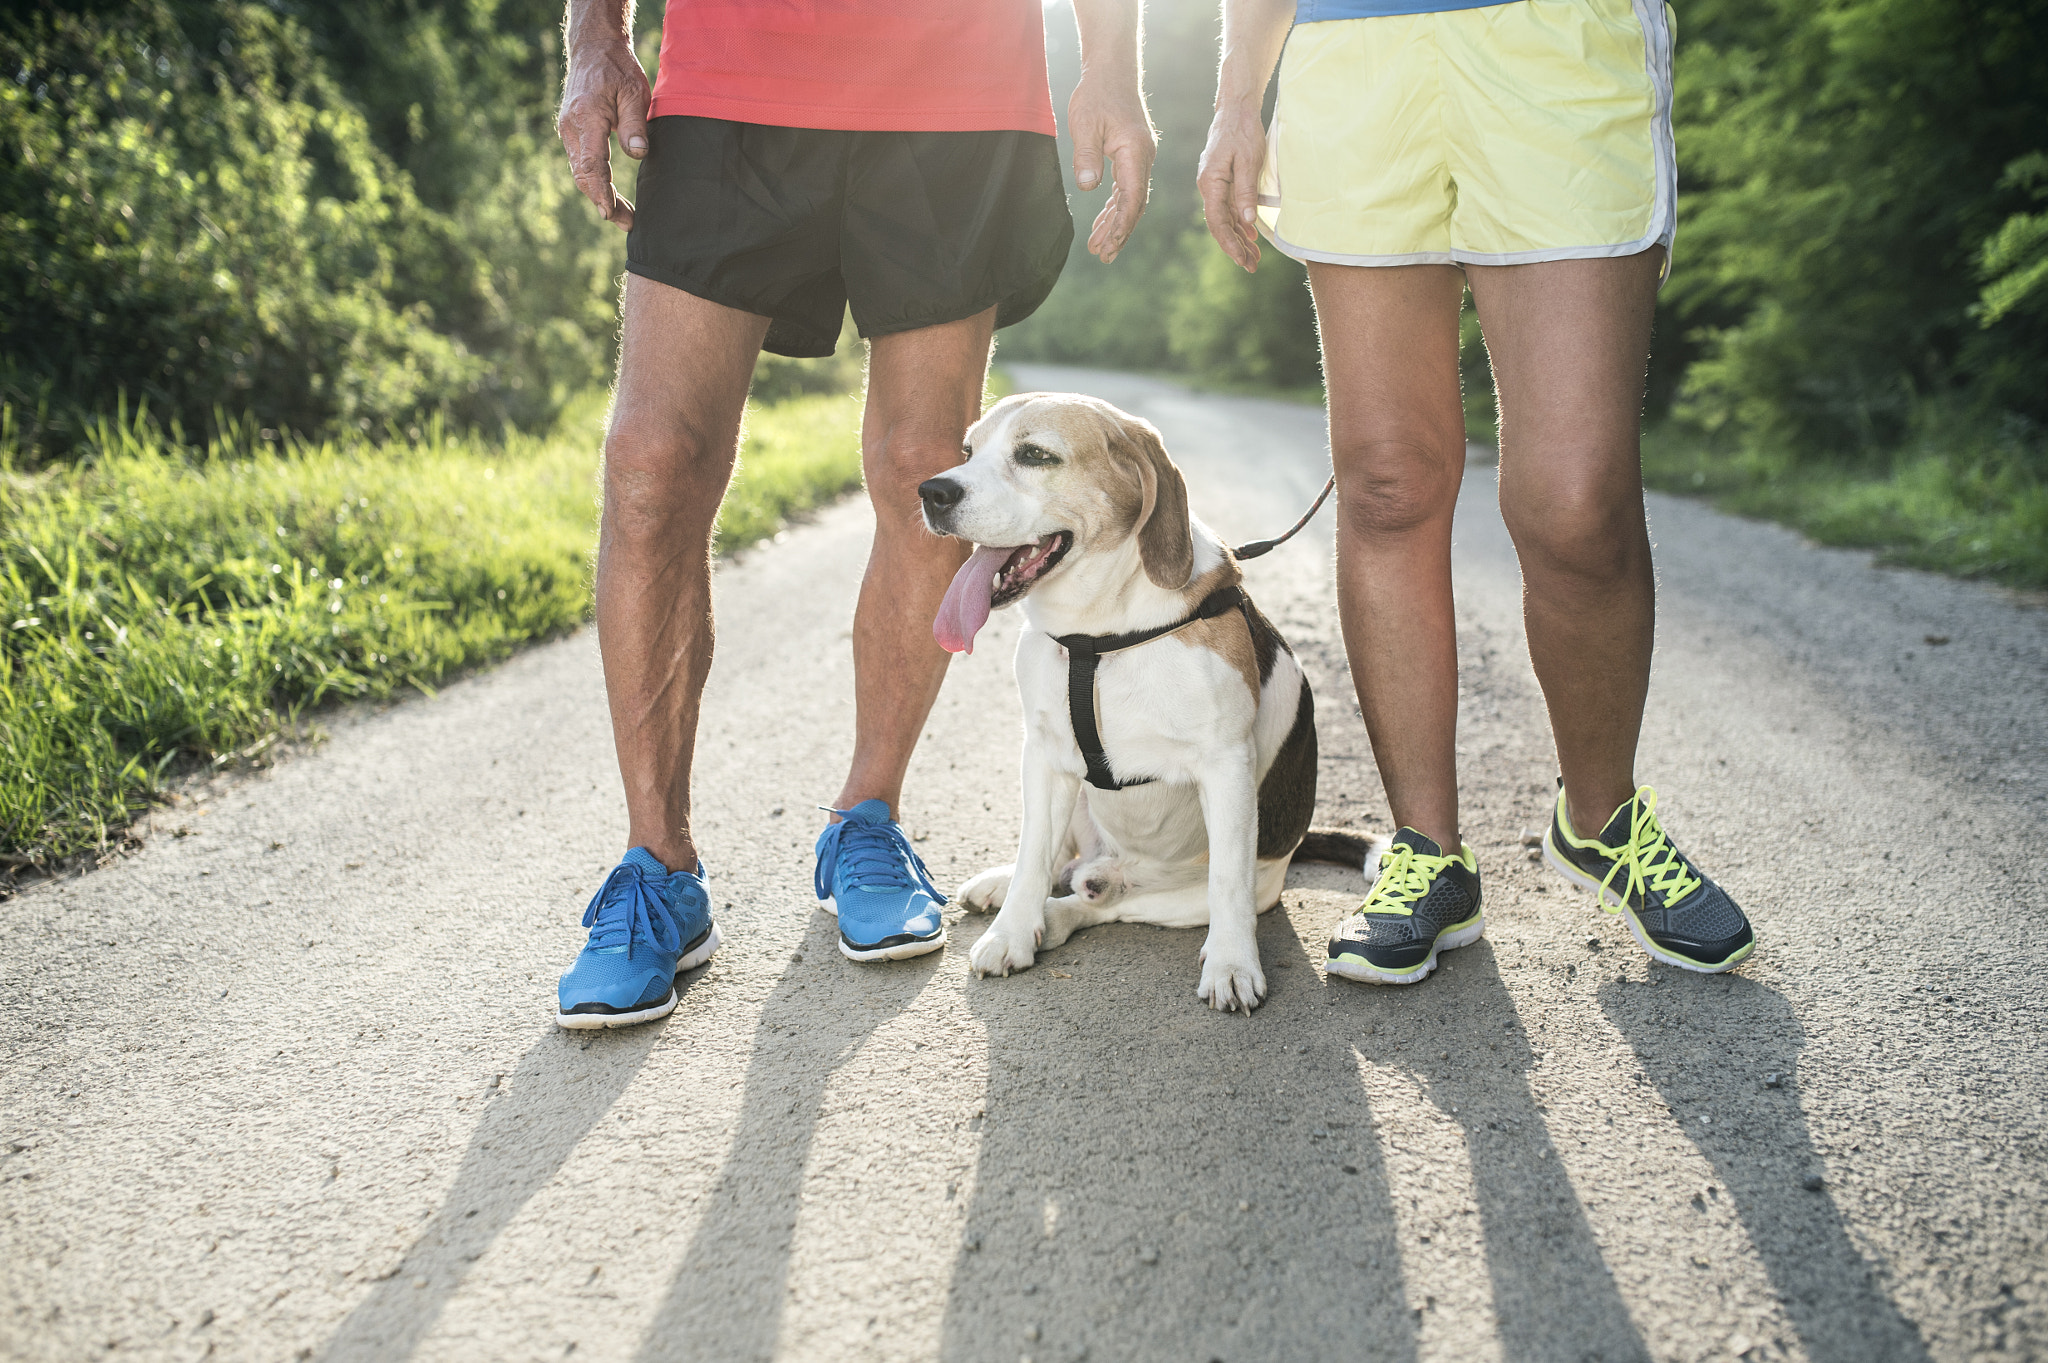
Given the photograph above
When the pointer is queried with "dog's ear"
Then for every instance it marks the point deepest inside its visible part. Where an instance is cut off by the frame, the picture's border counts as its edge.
(1166, 543)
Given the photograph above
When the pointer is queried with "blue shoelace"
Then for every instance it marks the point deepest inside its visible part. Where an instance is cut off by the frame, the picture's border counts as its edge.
(875, 857)
(628, 908)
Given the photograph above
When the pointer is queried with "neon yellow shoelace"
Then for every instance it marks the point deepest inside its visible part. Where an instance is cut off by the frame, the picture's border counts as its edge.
(1652, 862)
(1405, 876)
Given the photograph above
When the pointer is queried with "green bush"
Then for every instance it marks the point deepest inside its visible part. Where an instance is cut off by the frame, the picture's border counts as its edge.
(1847, 166)
(199, 213)
(1232, 327)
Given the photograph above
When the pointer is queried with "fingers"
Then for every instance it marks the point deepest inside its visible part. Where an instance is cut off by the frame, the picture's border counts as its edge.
(589, 144)
(591, 163)
(633, 125)
(1108, 234)
(1219, 197)
(1230, 199)
(1131, 171)
(1087, 159)
(1132, 168)
(1244, 203)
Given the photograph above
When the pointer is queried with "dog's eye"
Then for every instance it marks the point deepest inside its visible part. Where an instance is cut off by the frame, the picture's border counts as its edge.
(1034, 455)
(966, 453)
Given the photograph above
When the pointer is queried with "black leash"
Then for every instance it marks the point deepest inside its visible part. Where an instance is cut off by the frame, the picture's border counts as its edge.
(1258, 547)
(1084, 652)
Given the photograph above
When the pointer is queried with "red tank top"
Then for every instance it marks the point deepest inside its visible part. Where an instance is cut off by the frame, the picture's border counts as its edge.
(860, 65)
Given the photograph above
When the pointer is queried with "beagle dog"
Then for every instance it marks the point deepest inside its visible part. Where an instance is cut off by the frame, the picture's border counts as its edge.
(1169, 735)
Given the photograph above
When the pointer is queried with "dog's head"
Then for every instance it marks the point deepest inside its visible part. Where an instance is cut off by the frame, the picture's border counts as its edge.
(1048, 476)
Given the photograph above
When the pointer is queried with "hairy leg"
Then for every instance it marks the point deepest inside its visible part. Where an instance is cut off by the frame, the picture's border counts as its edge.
(684, 365)
(924, 391)
(1569, 341)
(1397, 438)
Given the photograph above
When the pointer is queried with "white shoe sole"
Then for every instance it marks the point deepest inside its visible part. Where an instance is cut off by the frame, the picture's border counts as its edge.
(587, 1022)
(902, 951)
(1351, 968)
(1612, 901)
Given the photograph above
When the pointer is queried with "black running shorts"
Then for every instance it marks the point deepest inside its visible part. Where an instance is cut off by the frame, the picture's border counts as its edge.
(794, 224)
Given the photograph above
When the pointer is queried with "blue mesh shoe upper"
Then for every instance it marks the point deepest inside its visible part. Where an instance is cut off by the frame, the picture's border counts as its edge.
(883, 894)
(641, 920)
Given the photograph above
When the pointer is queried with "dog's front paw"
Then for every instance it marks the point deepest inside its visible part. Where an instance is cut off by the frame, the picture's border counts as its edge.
(1003, 948)
(1231, 980)
(985, 892)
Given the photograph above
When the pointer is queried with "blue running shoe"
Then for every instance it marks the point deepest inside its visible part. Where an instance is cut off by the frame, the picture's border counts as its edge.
(647, 925)
(887, 906)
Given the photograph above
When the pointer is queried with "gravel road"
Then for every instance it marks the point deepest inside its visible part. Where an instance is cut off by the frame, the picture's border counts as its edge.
(286, 1085)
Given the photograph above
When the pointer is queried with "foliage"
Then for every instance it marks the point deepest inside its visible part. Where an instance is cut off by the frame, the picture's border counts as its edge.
(799, 454)
(1963, 494)
(2015, 258)
(162, 603)
(1256, 328)
(334, 217)
(1852, 166)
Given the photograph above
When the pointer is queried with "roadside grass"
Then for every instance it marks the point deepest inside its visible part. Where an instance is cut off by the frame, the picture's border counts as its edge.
(1963, 502)
(799, 454)
(163, 606)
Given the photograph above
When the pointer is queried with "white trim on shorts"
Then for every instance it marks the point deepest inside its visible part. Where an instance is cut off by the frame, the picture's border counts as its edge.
(1650, 14)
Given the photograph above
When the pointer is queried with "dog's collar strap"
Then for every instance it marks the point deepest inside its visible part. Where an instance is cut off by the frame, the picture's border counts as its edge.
(1084, 652)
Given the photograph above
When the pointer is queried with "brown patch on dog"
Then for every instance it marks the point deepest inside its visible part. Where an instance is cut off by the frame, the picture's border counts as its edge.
(1228, 634)
(1287, 797)
(1227, 637)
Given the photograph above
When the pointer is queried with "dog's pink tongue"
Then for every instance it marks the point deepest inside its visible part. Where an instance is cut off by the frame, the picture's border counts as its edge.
(965, 609)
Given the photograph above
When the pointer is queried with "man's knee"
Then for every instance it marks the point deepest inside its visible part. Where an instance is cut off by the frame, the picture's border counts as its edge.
(1388, 487)
(661, 480)
(896, 462)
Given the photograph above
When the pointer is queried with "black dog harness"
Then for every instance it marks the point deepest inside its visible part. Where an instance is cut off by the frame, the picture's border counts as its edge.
(1084, 651)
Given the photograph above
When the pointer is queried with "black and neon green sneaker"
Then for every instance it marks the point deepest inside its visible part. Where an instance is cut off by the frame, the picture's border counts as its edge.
(1676, 914)
(1422, 903)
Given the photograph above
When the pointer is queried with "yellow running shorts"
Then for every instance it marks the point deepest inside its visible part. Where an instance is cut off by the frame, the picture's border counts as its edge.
(1526, 131)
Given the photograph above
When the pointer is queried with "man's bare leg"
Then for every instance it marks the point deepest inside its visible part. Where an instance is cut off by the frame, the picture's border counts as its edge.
(1569, 342)
(1397, 439)
(684, 365)
(924, 391)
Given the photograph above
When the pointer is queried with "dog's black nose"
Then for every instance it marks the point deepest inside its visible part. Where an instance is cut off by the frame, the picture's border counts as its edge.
(939, 493)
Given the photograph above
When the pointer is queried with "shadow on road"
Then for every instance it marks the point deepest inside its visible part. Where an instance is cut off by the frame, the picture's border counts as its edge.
(725, 1302)
(561, 1087)
(1758, 1144)
(1159, 1181)
(1458, 1039)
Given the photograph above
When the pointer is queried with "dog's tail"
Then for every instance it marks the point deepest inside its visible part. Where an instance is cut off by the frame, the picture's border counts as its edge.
(1343, 847)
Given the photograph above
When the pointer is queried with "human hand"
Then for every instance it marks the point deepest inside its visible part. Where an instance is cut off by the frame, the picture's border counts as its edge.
(605, 91)
(1228, 181)
(1107, 120)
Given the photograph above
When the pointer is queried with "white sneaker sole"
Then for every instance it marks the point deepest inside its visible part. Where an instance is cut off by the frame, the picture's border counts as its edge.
(902, 951)
(1613, 901)
(1352, 968)
(586, 1022)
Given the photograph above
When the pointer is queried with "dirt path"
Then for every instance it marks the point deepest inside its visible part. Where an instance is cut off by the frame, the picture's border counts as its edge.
(289, 1087)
